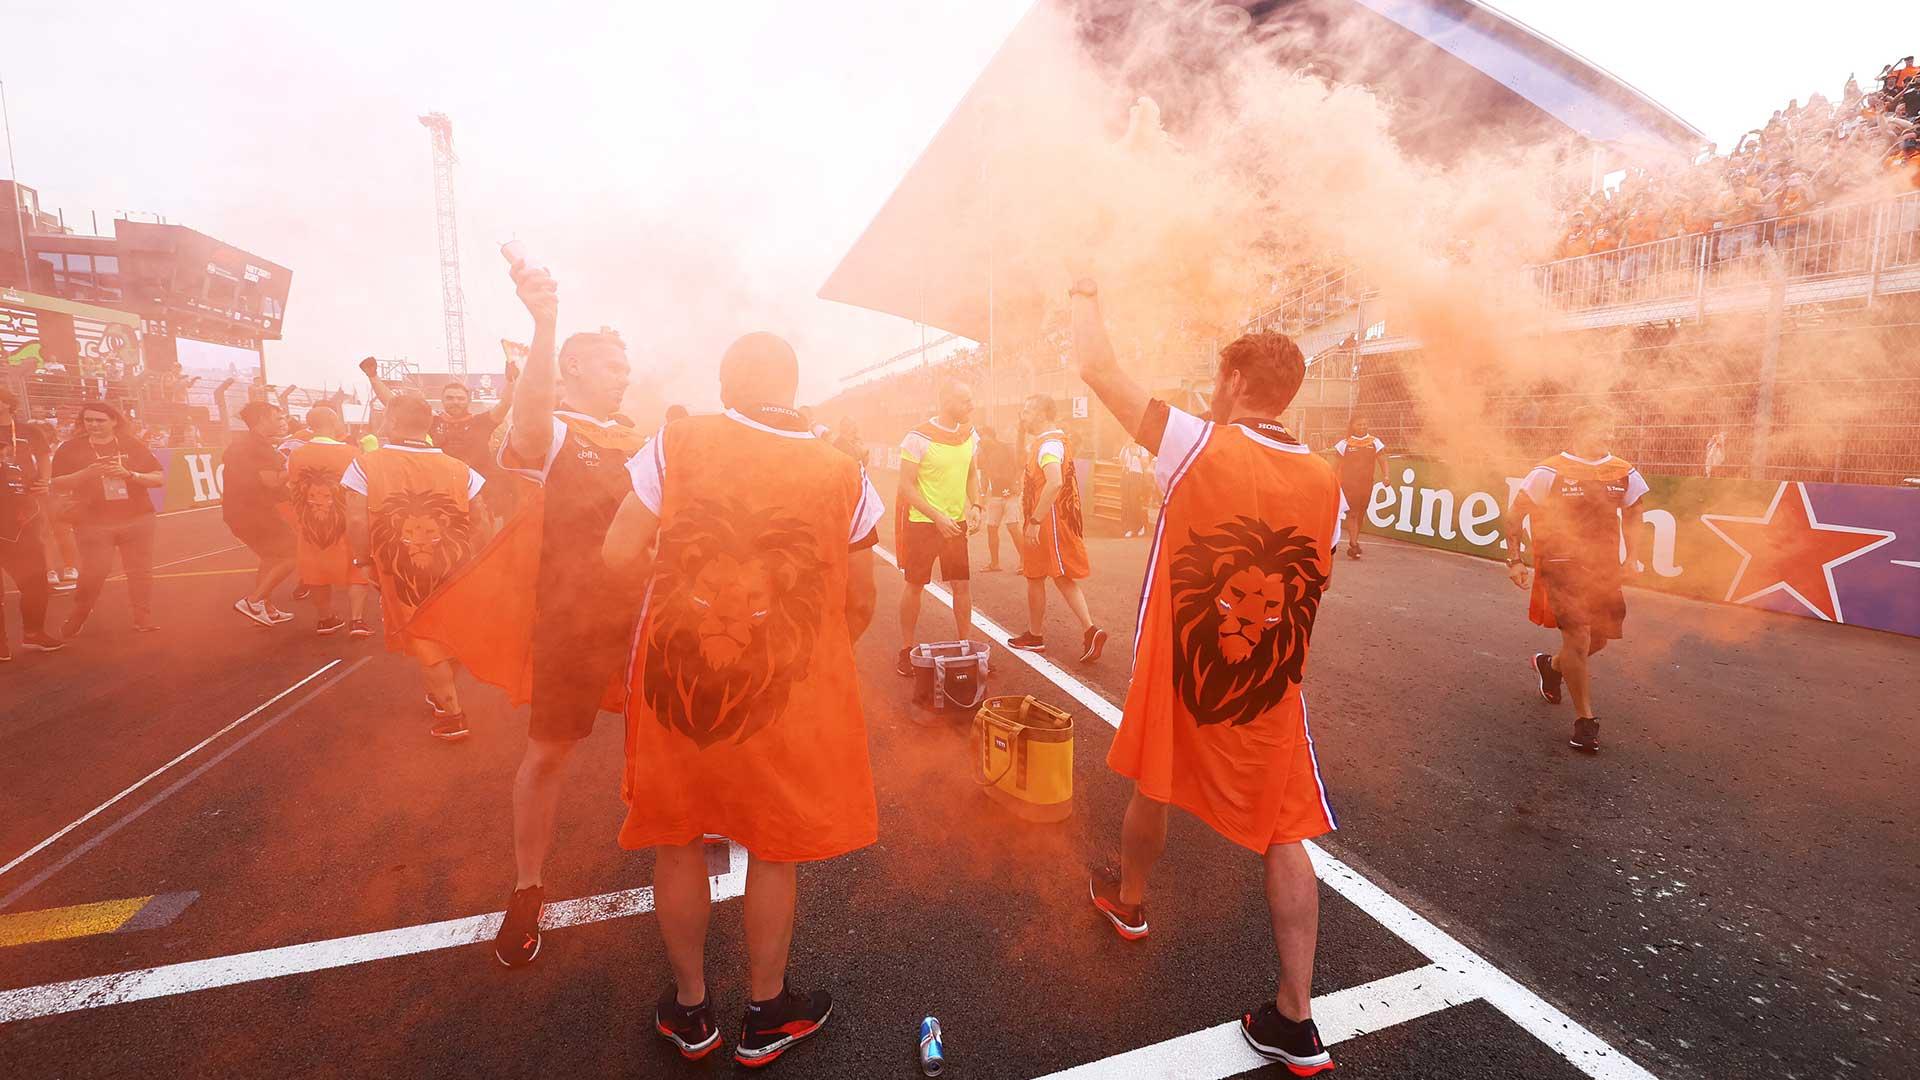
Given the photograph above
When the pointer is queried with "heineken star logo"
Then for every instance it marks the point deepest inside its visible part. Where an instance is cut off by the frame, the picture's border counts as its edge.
(1789, 550)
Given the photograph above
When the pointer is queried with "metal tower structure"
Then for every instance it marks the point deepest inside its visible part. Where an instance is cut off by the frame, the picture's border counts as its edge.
(453, 301)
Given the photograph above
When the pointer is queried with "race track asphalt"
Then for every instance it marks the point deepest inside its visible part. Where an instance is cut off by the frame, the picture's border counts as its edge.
(1727, 890)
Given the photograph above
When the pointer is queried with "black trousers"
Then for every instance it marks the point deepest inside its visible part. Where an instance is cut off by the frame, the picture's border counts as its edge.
(25, 560)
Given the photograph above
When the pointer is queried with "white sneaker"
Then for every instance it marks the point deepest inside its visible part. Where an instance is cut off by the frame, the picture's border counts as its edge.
(60, 584)
(253, 610)
(275, 614)
(70, 574)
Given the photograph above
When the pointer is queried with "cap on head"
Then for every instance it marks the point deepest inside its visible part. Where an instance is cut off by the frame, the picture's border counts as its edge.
(759, 369)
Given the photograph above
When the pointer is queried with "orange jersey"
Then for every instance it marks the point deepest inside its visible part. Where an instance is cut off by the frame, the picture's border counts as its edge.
(420, 528)
(1575, 520)
(743, 705)
(1215, 722)
(319, 507)
(1062, 549)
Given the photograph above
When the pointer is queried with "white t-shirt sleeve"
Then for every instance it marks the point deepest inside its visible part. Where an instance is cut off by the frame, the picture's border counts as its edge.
(1340, 448)
(1636, 488)
(867, 512)
(538, 475)
(1340, 520)
(648, 471)
(355, 478)
(1378, 446)
(1052, 448)
(474, 483)
(1185, 432)
(1537, 486)
(914, 446)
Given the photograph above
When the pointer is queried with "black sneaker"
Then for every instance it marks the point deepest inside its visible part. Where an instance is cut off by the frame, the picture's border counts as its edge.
(1129, 920)
(1028, 642)
(689, 1027)
(1586, 735)
(331, 625)
(1549, 678)
(1294, 1043)
(359, 628)
(903, 664)
(449, 726)
(772, 1027)
(1094, 642)
(42, 642)
(518, 941)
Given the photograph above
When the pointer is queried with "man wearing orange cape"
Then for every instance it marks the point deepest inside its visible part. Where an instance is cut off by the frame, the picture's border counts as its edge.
(322, 557)
(411, 523)
(537, 614)
(1215, 722)
(743, 712)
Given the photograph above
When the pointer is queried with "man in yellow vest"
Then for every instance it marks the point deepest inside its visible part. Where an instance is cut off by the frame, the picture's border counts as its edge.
(937, 508)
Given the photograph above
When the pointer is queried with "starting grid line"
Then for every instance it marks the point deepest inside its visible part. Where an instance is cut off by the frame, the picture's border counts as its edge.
(195, 975)
(1454, 976)
(1219, 1052)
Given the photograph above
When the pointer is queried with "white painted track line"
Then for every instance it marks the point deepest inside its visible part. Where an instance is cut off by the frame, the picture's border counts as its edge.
(1220, 1051)
(1580, 1047)
(53, 999)
(143, 781)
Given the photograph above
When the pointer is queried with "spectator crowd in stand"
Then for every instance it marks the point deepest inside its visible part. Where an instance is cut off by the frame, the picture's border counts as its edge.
(1807, 156)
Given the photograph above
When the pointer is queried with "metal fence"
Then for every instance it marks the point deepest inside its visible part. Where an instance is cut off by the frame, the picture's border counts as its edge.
(1690, 408)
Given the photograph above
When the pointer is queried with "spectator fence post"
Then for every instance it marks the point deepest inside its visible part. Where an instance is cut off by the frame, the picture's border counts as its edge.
(1769, 358)
(1874, 256)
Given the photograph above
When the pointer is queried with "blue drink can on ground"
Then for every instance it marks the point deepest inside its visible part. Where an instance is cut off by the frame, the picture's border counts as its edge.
(933, 1054)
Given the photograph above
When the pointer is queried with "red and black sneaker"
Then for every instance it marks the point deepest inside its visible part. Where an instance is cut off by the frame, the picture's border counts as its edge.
(518, 941)
(1129, 920)
(1294, 1043)
(1028, 643)
(1094, 642)
(772, 1027)
(689, 1027)
(1549, 677)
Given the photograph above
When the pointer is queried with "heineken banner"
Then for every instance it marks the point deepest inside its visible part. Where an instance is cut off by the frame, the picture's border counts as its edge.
(195, 476)
(1840, 552)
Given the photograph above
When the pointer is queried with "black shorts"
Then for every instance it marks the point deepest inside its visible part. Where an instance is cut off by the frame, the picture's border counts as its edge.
(268, 536)
(1583, 597)
(921, 547)
(573, 664)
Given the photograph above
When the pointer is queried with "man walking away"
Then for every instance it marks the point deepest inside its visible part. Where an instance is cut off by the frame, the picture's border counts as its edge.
(250, 501)
(1578, 502)
(938, 507)
(1215, 721)
(743, 717)
(1053, 532)
(109, 473)
(323, 556)
(1362, 456)
(1000, 477)
(410, 519)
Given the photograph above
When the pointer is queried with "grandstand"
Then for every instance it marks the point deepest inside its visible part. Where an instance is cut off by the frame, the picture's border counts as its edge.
(1782, 335)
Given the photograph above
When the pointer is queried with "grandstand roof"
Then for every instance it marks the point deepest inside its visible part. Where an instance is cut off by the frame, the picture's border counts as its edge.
(925, 255)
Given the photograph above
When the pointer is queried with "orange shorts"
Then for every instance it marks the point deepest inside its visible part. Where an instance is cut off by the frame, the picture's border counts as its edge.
(1061, 552)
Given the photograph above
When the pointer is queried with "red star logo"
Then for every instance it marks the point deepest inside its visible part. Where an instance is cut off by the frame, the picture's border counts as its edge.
(1789, 550)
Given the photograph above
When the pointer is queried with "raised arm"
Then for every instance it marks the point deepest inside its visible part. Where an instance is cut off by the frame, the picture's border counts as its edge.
(1099, 367)
(531, 434)
(382, 393)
